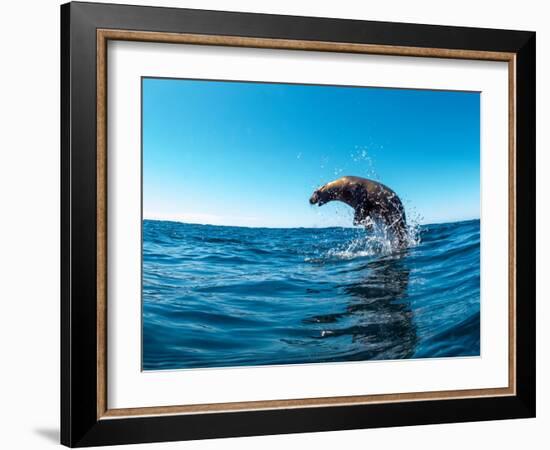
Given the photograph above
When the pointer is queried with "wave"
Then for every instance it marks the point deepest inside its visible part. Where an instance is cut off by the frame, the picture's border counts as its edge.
(217, 296)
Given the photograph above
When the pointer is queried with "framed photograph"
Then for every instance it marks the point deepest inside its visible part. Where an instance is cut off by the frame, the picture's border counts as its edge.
(277, 224)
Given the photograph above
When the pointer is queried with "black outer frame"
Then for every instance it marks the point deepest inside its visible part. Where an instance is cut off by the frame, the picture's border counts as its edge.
(79, 423)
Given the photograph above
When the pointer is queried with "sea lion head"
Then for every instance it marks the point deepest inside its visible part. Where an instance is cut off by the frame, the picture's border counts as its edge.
(323, 195)
(318, 197)
(335, 190)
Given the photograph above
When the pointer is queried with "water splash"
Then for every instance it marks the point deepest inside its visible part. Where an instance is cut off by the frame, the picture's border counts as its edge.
(377, 240)
(414, 220)
(371, 239)
(361, 155)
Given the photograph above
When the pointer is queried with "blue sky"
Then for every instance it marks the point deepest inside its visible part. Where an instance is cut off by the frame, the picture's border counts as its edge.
(251, 154)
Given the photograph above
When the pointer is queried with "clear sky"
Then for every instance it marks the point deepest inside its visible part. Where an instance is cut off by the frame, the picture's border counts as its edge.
(251, 154)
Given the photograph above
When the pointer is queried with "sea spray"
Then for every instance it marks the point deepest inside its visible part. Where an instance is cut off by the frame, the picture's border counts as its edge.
(373, 238)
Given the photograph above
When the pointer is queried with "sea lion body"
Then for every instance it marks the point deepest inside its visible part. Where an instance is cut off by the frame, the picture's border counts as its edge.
(370, 200)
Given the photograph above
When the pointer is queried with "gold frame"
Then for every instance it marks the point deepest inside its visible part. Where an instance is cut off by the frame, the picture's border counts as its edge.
(103, 36)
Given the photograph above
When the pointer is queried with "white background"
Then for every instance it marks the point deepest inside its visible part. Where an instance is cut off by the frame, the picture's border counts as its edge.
(29, 230)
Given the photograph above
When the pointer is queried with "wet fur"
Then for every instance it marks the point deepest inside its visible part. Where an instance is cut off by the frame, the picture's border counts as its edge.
(370, 200)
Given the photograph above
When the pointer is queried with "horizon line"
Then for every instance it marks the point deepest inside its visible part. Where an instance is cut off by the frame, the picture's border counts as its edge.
(291, 227)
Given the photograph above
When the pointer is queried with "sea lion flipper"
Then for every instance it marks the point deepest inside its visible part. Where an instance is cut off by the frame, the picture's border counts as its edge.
(360, 216)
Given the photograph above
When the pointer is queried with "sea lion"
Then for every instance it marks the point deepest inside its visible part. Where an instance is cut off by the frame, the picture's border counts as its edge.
(372, 202)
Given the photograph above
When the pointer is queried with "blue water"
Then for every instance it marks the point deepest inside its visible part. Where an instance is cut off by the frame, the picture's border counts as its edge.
(216, 296)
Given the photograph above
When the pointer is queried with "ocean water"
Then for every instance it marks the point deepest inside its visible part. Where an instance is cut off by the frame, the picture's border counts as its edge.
(216, 296)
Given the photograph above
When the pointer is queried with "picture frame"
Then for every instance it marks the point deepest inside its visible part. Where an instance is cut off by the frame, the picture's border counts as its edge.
(86, 30)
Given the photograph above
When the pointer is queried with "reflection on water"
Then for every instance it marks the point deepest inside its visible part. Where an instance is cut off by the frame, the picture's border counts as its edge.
(382, 318)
